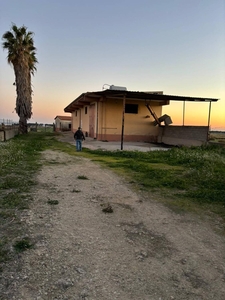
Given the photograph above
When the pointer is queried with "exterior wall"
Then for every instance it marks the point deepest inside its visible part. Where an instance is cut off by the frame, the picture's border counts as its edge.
(57, 125)
(183, 135)
(75, 120)
(8, 134)
(85, 119)
(80, 119)
(137, 127)
(108, 121)
(62, 125)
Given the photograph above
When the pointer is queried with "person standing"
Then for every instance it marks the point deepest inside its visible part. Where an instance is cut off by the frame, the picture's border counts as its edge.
(79, 137)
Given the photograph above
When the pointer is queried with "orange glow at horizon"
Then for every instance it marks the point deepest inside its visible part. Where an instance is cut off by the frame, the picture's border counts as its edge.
(196, 113)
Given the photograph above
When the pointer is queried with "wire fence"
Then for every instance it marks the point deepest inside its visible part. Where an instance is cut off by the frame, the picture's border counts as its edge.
(6, 122)
(7, 125)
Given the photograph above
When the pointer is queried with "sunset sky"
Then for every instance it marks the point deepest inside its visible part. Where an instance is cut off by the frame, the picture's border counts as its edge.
(174, 46)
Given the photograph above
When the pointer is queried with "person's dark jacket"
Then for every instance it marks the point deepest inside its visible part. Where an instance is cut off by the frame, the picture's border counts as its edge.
(78, 135)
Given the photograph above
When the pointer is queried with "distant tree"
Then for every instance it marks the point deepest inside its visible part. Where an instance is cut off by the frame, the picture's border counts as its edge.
(22, 56)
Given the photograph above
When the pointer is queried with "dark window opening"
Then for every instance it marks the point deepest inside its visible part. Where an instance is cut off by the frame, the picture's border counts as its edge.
(131, 108)
(76, 113)
(85, 110)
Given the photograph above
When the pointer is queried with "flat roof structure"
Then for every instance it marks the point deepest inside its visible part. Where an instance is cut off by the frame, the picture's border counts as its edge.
(86, 98)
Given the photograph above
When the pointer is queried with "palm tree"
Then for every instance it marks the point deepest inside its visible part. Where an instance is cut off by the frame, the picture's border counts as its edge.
(22, 56)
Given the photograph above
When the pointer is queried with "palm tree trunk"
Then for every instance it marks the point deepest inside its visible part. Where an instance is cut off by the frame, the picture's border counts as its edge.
(24, 91)
(23, 125)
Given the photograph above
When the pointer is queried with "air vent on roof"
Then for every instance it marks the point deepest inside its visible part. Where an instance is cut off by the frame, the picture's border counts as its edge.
(117, 88)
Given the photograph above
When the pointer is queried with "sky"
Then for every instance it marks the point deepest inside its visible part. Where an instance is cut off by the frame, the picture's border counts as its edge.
(174, 46)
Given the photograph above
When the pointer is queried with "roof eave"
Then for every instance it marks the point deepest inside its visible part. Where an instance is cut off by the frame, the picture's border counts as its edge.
(80, 101)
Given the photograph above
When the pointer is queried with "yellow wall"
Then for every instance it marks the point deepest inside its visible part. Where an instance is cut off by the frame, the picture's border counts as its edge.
(136, 126)
(75, 120)
(85, 119)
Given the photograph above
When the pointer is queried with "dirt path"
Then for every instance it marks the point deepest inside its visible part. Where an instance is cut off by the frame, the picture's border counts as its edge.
(140, 251)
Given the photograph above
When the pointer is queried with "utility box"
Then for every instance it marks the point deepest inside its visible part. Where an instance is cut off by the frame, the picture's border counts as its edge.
(117, 88)
(166, 119)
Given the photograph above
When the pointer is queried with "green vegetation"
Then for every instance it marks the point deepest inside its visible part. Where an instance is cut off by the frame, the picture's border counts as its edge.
(82, 177)
(23, 245)
(183, 178)
(53, 202)
(195, 174)
(19, 162)
(47, 129)
(217, 137)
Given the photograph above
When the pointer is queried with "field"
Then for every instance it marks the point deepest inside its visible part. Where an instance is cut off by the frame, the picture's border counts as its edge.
(184, 179)
(217, 137)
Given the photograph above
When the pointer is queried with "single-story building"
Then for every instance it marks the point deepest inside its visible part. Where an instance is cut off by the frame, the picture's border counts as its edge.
(63, 123)
(116, 114)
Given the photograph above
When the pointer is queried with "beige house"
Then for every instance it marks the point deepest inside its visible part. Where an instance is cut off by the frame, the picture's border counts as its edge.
(62, 123)
(117, 114)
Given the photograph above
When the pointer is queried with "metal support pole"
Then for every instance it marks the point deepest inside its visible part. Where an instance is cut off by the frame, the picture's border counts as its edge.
(183, 111)
(97, 120)
(209, 120)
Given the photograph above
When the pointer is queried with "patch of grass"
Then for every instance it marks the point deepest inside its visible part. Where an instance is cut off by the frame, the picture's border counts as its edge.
(217, 137)
(3, 251)
(6, 216)
(14, 200)
(10, 182)
(22, 245)
(20, 160)
(53, 202)
(3, 255)
(52, 162)
(197, 171)
(191, 177)
(82, 177)
(75, 191)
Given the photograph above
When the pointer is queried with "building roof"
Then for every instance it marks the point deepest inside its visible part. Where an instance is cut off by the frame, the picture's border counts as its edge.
(86, 98)
(64, 118)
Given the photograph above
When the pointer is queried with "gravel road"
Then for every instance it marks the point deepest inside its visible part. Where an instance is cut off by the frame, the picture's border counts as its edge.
(141, 250)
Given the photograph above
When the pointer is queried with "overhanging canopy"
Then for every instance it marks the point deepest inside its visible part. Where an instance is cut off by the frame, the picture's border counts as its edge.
(86, 98)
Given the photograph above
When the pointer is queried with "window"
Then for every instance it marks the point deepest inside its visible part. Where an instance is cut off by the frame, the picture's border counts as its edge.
(85, 110)
(76, 113)
(131, 108)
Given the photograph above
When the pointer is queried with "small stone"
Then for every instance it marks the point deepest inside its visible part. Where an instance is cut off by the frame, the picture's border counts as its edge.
(64, 283)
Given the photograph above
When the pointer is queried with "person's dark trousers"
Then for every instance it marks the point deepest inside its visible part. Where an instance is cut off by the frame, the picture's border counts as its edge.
(79, 145)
